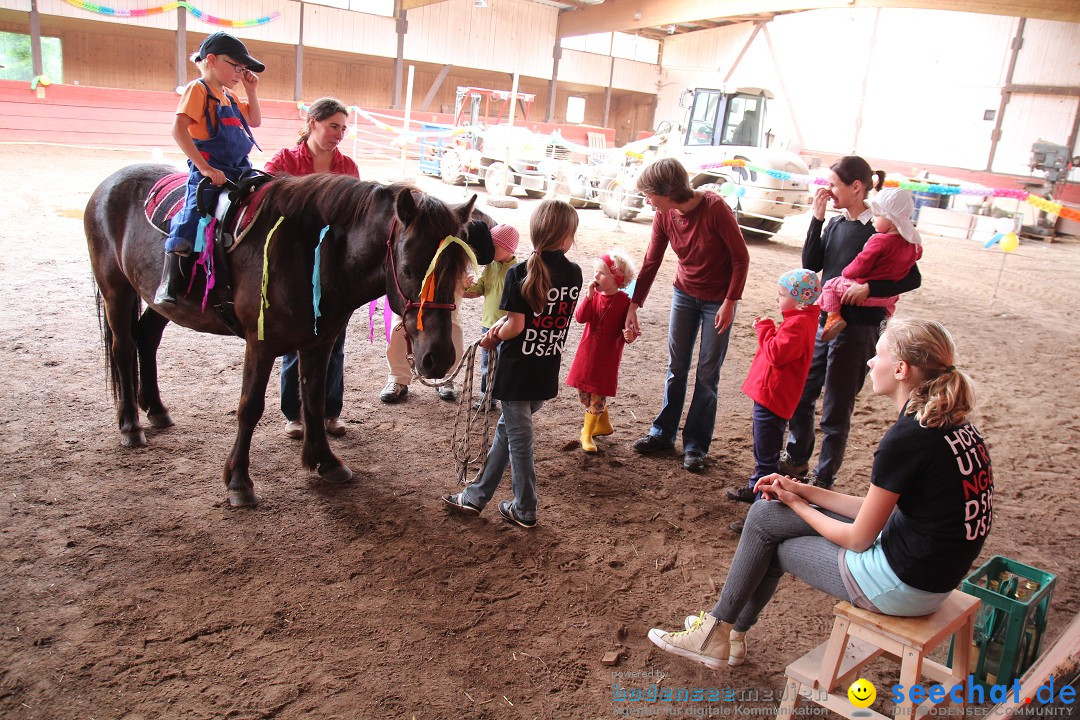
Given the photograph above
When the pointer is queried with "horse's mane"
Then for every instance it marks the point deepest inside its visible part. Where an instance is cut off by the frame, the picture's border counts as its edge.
(342, 200)
(326, 198)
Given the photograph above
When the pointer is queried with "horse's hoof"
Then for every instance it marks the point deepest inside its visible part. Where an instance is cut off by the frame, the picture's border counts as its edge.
(337, 476)
(135, 438)
(243, 498)
(162, 420)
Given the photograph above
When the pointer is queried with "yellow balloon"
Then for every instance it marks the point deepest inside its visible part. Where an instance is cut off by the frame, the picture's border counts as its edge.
(1010, 242)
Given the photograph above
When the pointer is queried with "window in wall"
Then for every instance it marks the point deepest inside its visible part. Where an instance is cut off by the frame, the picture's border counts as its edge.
(16, 62)
(575, 109)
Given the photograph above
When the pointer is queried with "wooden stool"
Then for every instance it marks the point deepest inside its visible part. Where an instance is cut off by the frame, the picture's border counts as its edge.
(859, 637)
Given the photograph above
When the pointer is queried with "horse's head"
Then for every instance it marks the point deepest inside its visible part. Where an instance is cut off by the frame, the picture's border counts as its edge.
(423, 225)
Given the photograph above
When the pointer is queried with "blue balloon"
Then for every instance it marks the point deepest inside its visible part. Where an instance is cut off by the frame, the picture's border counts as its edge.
(740, 191)
(994, 240)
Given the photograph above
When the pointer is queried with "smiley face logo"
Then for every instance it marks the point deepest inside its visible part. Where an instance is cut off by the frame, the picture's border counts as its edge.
(862, 693)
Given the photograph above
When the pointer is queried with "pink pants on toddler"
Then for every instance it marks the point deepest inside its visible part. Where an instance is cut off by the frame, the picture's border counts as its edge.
(834, 290)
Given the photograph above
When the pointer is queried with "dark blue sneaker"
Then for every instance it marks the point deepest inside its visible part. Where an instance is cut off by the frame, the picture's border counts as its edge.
(506, 509)
(459, 503)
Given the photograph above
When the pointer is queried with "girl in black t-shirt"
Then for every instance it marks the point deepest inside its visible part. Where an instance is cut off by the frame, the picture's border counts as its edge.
(539, 298)
(902, 548)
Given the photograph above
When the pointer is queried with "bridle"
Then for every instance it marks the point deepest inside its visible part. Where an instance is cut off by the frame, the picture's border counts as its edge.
(409, 304)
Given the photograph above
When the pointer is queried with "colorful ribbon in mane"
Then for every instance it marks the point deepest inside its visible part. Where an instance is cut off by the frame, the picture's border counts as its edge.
(263, 301)
(427, 292)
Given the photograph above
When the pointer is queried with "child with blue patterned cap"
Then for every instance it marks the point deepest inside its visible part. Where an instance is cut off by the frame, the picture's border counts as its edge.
(779, 371)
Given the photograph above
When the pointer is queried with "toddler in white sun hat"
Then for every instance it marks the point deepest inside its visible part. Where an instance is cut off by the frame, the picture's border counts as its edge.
(888, 255)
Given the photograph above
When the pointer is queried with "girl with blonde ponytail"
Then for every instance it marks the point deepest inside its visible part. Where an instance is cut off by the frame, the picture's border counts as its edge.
(903, 547)
(539, 297)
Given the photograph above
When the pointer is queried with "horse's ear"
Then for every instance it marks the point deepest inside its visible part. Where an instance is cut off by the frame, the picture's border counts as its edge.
(464, 211)
(406, 206)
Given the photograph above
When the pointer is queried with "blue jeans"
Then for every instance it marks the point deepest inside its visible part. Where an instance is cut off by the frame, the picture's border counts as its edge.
(513, 445)
(839, 367)
(484, 363)
(335, 382)
(768, 440)
(688, 314)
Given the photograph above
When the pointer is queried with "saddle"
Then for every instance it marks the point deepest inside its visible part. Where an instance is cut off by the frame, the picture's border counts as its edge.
(233, 215)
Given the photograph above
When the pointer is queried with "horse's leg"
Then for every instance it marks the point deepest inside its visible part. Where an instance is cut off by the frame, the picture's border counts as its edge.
(121, 311)
(316, 453)
(257, 366)
(151, 326)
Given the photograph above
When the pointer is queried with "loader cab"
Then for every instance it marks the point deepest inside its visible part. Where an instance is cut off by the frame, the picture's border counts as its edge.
(716, 117)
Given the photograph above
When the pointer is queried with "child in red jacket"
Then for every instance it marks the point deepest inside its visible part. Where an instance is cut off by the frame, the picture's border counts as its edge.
(779, 371)
(595, 370)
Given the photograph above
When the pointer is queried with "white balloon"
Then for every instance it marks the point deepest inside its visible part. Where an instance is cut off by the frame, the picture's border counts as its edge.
(157, 154)
(1005, 225)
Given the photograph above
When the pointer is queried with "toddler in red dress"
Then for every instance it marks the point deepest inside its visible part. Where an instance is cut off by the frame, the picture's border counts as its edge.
(595, 371)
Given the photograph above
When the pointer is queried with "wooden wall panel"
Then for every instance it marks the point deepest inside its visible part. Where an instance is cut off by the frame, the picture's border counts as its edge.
(508, 35)
(636, 76)
(1050, 55)
(334, 29)
(584, 68)
(21, 5)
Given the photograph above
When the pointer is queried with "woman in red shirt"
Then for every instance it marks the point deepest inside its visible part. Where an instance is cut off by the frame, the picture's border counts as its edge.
(316, 151)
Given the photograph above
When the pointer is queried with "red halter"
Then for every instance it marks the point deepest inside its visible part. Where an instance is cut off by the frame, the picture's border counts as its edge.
(409, 304)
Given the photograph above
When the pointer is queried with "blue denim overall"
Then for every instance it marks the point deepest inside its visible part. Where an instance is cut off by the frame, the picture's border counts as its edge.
(226, 150)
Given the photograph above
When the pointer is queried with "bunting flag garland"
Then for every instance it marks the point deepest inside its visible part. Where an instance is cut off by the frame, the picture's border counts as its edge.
(168, 7)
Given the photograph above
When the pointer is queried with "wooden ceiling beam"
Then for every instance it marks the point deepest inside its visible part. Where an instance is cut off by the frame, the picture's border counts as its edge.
(631, 15)
(413, 4)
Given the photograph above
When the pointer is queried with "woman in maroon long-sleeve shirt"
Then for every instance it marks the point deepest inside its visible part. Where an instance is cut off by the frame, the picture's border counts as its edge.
(713, 262)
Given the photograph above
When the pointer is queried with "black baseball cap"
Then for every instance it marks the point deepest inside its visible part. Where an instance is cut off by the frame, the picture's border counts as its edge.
(221, 43)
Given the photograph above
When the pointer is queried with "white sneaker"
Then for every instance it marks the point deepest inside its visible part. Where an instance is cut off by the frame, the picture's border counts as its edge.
(294, 429)
(394, 392)
(707, 643)
(736, 639)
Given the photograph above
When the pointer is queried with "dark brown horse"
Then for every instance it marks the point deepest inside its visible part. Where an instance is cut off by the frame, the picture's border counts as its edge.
(367, 220)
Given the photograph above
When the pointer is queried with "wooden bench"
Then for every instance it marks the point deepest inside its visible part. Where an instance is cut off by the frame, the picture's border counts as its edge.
(859, 637)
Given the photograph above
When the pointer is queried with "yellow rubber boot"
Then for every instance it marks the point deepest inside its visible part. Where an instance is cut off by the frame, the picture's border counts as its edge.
(587, 443)
(603, 425)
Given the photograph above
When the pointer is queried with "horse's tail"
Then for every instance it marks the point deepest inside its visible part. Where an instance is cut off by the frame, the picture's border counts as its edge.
(112, 377)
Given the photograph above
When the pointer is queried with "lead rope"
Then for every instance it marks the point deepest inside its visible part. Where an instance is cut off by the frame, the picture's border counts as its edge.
(472, 435)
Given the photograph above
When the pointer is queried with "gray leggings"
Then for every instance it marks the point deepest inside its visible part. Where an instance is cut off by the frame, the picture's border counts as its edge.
(775, 540)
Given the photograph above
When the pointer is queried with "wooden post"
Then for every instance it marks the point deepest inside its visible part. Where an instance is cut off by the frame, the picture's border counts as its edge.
(746, 46)
(435, 87)
(298, 78)
(405, 128)
(510, 134)
(35, 39)
(607, 91)
(399, 60)
(181, 47)
(783, 87)
(1006, 93)
(556, 55)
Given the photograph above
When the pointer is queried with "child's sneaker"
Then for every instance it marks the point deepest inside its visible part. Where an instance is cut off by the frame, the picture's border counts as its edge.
(834, 324)
(707, 642)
